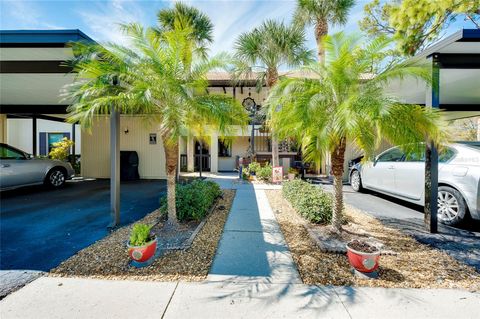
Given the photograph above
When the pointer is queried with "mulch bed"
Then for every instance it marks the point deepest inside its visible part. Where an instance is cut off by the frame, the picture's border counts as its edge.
(413, 265)
(108, 258)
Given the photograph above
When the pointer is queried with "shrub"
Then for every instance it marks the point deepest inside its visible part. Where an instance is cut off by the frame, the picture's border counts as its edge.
(141, 235)
(61, 149)
(264, 173)
(254, 167)
(193, 200)
(311, 202)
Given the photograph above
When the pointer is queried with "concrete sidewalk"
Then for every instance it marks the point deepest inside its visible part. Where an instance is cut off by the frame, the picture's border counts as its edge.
(252, 247)
(49, 297)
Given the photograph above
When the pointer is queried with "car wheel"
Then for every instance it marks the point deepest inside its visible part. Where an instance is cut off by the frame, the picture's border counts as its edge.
(356, 181)
(451, 206)
(55, 178)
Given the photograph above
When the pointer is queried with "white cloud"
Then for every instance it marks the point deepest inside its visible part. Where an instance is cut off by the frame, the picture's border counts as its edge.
(103, 19)
(24, 15)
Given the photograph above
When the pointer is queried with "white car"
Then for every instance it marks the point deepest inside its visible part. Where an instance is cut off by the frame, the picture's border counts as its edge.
(18, 169)
(395, 174)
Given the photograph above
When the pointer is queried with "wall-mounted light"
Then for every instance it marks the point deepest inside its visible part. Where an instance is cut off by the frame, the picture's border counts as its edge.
(125, 130)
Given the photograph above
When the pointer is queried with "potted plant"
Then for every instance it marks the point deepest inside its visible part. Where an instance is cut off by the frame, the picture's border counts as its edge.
(292, 173)
(142, 244)
(363, 256)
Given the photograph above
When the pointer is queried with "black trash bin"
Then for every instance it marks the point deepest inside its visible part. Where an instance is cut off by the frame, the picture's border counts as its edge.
(129, 166)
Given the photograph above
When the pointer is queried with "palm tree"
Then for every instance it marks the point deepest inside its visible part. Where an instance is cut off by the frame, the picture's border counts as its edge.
(183, 16)
(155, 83)
(265, 50)
(340, 106)
(320, 13)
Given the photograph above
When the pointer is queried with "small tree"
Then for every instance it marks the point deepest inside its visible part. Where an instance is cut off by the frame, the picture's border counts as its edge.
(340, 106)
(416, 23)
(61, 149)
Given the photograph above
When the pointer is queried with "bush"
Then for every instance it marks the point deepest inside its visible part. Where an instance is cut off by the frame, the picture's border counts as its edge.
(141, 235)
(311, 202)
(254, 167)
(194, 200)
(264, 173)
(61, 149)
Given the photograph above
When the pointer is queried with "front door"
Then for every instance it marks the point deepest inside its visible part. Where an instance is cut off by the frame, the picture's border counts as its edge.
(202, 156)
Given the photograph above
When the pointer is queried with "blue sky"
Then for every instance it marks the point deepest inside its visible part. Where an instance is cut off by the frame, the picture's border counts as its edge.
(99, 19)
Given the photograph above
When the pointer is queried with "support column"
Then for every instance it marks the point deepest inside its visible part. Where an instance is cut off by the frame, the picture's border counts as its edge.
(34, 136)
(74, 140)
(3, 128)
(190, 154)
(214, 153)
(114, 168)
(431, 155)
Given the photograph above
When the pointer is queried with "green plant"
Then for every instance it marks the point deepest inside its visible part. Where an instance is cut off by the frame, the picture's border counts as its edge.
(311, 202)
(292, 170)
(61, 149)
(253, 167)
(161, 76)
(264, 173)
(141, 234)
(338, 107)
(194, 200)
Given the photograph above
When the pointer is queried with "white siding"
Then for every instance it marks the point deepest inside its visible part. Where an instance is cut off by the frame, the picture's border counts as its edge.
(96, 148)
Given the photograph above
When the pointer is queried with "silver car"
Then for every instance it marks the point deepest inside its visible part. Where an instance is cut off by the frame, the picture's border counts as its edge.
(395, 174)
(18, 169)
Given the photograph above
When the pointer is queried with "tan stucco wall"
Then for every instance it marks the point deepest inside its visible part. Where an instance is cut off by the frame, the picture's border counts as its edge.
(96, 148)
(239, 148)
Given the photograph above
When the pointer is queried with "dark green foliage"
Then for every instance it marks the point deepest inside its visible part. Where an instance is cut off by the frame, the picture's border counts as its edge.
(311, 202)
(141, 235)
(193, 200)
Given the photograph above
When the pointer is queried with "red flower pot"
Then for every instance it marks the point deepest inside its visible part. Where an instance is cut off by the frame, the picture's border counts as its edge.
(362, 261)
(143, 253)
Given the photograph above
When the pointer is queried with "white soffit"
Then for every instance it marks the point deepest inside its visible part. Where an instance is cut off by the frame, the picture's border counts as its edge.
(31, 89)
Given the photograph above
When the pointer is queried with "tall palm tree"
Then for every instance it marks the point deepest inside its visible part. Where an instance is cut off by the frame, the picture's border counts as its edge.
(265, 50)
(155, 83)
(340, 106)
(183, 16)
(320, 13)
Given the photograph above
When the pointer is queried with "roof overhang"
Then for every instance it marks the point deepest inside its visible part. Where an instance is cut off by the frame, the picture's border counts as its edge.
(458, 58)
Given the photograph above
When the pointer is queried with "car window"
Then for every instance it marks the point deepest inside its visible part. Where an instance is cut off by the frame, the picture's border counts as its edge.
(445, 155)
(8, 153)
(393, 155)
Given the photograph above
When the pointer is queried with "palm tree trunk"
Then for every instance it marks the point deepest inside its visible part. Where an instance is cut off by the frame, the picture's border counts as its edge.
(171, 156)
(321, 30)
(272, 78)
(338, 157)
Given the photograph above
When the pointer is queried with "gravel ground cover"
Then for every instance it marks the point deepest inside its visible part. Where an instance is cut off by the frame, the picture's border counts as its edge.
(108, 258)
(413, 266)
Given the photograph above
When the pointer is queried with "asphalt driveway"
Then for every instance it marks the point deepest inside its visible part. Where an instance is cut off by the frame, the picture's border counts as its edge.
(41, 227)
(462, 243)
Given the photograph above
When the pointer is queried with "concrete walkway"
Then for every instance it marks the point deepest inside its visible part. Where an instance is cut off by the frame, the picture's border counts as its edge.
(252, 247)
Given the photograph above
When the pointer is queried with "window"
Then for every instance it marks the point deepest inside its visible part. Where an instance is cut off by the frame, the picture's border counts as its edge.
(224, 148)
(10, 153)
(445, 155)
(393, 155)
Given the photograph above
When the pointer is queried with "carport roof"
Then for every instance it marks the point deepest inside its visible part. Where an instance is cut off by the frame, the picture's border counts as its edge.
(41, 38)
(458, 56)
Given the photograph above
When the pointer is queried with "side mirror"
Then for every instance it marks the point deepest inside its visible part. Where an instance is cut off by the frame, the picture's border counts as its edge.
(30, 156)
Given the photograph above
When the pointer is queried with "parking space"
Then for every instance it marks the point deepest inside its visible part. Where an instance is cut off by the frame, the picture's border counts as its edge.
(462, 243)
(42, 227)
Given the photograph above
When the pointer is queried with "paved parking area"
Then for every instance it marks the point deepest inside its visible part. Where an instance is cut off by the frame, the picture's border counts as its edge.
(462, 243)
(41, 227)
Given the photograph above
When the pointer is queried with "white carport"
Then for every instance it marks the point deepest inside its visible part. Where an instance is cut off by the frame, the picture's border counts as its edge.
(455, 63)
